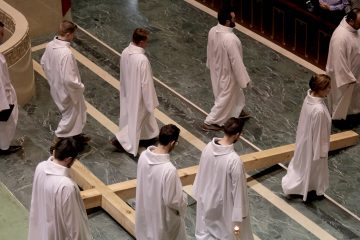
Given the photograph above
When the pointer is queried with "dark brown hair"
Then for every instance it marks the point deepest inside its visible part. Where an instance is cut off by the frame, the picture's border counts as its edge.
(319, 82)
(168, 133)
(139, 35)
(66, 27)
(233, 126)
(352, 15)
(66, 147)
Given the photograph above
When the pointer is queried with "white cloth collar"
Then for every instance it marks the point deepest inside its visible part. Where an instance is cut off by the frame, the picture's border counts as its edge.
(221, 149)
(222, 28)
(347, 26)
(156, 158)
(313, 100)
(52, 168)
(133, 49)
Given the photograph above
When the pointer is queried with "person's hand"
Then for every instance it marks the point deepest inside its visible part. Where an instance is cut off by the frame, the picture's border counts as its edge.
(236, 230)
(324, 6)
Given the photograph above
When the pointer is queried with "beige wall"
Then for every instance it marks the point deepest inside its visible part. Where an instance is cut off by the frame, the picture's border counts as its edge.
(43, 16)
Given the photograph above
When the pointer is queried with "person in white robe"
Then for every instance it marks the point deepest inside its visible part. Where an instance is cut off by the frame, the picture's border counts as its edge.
(220, 189)
(343, 67)
(160, 202)
(227, 71)
(138, 98)
(66, 88)
(308, 169)
(7, 99)
(57, 210)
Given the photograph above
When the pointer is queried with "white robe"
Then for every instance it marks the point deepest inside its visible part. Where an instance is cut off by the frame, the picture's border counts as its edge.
(228, 74)
(57, 211)
(66, 88)
(308, 169)
(138, 99)
(160, 201)
(221, 193)
(343, 66)
(7, 96)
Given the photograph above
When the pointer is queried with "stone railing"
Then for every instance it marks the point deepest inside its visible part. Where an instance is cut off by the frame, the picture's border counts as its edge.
(17, 51)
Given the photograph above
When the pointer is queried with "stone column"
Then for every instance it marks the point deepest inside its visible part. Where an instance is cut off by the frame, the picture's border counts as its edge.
(17, 51)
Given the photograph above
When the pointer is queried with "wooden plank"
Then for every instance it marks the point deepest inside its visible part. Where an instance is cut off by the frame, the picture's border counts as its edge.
(282, 154)
(252, 161)
(92, 198)
(110, 202)
(81, 180)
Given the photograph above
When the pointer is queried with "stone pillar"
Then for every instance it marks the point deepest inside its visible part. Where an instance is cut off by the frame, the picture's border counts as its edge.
(17, 51)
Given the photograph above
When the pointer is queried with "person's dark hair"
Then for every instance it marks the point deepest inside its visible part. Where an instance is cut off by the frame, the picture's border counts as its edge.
(66, 27)
(319, 82)
(139, 35)
(66, 147)
(168, 133)
(1, 24)
(233, 126)
(224, 14)
(352, 15)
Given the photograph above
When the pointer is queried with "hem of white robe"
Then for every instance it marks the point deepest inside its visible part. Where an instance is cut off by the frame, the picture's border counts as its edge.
(8, 135)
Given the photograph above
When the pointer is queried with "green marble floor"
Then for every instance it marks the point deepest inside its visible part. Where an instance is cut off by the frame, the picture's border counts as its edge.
(13, 216)
(177, 52)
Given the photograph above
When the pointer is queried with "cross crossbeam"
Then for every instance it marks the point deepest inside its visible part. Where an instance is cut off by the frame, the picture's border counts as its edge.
(112, 197)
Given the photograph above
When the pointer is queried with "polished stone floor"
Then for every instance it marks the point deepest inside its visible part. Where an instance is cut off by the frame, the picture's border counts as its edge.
(177, 51)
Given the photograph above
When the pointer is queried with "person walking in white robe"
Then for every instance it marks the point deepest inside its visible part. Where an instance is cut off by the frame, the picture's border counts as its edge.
(138, 98)
(160, 202)
(220, 189)
(57, 211)
(343, 67)
(227, 71)
(8, 101)
(66, 88)
(308, 169)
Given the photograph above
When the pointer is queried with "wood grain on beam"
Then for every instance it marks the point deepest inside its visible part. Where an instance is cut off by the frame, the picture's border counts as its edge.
(110, 202)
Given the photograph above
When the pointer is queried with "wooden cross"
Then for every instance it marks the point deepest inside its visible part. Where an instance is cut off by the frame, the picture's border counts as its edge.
(112, 197)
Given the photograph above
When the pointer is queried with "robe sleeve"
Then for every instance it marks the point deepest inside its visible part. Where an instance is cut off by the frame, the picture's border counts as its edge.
(234, 50)
(321, 136)
(209, 49)
(74, 214)
(4, 103)
(239, 191)
(71, 77)
(173, 195)
(339, 65)
(147, 86)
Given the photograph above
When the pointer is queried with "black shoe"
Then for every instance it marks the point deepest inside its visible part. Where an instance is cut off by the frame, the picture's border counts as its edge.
(117, 145)
(210, 127)
(312, 196)
(148, 142)
(10, 150)
(244, 115)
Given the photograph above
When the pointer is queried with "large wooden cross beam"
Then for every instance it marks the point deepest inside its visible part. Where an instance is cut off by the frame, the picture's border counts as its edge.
(112, 197)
